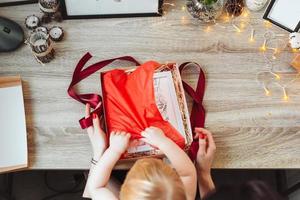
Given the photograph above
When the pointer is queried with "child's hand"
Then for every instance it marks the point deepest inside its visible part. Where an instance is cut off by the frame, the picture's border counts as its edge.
(119, 141)
(153, 136)
(206, 152)
(96, 134)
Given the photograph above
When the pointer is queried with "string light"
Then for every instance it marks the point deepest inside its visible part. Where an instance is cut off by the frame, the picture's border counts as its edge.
(245, 13)
(263, 47)
(252, 35)
(267, 92)
(238, 30)
(208, 29)
(285, 96)
(267, 24)
(267, 36)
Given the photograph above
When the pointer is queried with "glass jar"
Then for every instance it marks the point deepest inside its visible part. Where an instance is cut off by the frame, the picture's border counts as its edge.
(206, 11)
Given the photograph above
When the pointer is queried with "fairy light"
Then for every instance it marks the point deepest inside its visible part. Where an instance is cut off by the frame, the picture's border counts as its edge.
(251, 39)
(183, 8)
(267, 92)
(208, 29)
(238, 30)
(285, 96)
(242, 25)
(263, 47)
(245, 13)
(277, 77)
(267, 24)
(295, 50)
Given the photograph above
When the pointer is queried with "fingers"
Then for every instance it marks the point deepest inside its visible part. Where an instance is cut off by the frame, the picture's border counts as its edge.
(206, 136)
(145, 140)
(211, 144)
(202, 147)
(87, 110)
(96, 123)
(90, 129)
(120, 133)
(202, 130)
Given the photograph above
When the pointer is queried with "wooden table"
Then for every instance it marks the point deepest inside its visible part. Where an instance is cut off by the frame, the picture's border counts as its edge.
(251, 130)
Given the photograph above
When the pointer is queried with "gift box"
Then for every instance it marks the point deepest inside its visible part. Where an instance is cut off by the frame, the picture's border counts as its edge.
(170, 100)
(150, 94)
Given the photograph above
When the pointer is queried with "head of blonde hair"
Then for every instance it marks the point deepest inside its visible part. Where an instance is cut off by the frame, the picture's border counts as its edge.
(151, 179)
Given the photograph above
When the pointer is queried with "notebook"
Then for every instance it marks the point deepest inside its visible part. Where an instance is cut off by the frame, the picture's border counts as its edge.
(13, 137)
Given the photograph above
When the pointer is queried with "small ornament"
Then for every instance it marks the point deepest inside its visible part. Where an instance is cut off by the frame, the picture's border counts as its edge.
(256, 5)
(56, 33)
(295, 40)
(50, 9)
(234, 7)
(42, 29)
(41, 46)
(205, 10)
(32, 22)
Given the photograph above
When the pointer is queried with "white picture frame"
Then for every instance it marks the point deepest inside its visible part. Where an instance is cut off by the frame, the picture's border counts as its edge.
(78, 9)
(285, 14)
(4, 3)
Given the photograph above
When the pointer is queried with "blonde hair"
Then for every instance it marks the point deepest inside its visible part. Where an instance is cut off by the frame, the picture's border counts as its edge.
(151, 179)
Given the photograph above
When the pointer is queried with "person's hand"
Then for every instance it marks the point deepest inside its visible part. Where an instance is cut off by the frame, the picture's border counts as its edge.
(153, 136)
(119, 141)
(205, 157)
(96, 135)
(206, 152)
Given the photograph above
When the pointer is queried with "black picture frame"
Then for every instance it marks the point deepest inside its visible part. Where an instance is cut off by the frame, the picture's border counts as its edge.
(93, 16)
(16, 3)
(266, 17)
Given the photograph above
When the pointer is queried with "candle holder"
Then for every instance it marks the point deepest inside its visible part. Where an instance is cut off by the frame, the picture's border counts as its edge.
(41, 46)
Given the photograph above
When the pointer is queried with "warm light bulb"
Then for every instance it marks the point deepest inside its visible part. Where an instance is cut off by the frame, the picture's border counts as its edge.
(208, 29)
(245, 14)
(251, 39)
(285, 96)
(267, 92)
(263, 48)
(242, 25)
(295, 50)
(226, 18)
(267, 24)
(183, 8)
(238, 30)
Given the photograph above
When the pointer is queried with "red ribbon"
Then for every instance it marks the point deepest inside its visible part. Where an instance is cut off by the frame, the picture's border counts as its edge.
(80, 74)
(197, 117)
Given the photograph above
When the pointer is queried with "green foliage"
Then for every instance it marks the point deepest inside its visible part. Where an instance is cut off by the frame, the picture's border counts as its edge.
(209, 2)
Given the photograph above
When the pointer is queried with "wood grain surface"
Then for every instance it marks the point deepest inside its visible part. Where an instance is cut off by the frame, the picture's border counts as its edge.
(251, 130)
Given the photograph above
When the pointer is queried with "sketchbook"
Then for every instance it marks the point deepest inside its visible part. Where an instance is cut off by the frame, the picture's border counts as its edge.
(13, 137)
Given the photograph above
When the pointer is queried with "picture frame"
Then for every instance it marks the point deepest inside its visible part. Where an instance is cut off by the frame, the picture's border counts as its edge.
(5, 3)
(276, 13)
(121, 8)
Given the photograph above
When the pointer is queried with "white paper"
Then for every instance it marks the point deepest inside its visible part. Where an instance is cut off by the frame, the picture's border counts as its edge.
(286, 13)
(13, 137)
(106, 7)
